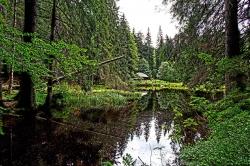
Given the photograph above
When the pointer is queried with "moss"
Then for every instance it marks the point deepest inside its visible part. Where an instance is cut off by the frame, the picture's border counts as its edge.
(100, 98)
(157, 85)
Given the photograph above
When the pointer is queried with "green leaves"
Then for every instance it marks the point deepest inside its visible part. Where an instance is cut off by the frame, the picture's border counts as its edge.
(207, 58)
(200, 104)
(107, 163)
(233, 65)
(127, 160)
(33, 57)
(189, 122)
(228, 143)
(168, 72)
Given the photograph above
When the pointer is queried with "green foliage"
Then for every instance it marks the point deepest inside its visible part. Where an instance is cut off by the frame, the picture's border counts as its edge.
(189, 123)
(32, 57)
(134, 58)
(143, 67)
(128, 160)
(150, 53)
(163, 50)
(40, 97)
(102, 99)
(207, 58)
(107, 163)
(146, 54)
(233, 65)
(199, 104)
(157, 85)
(98, 28)
(167, 72)
(177, 113)
(228, 143)
(128, 94)
(186, 65)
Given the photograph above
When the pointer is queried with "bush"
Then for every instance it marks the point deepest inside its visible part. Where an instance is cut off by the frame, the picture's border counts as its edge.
(167, 72)
(143, 67)
(228, 143)
(100, 98)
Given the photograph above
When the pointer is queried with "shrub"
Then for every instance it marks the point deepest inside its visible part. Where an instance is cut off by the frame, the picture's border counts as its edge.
(167, 72)
(228, 143)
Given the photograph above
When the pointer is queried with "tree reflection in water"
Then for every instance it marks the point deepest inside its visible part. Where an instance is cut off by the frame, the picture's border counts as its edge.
(147, 130)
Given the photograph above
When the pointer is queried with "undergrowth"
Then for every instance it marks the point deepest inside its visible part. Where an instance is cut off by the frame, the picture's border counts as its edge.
(98, 99)
(157, 85)
(228, 143)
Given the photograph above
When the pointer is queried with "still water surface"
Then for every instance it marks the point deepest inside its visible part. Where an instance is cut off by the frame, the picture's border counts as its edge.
(152, 151)
(145, 132)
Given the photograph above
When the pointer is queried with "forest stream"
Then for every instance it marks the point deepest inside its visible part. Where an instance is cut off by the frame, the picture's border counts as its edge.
(149, 133)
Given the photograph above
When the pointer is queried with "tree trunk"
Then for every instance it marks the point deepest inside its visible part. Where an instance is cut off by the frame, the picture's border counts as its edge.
(11, 72)
(26, 96)
(50, 63)
(232, 43)
(1, 85)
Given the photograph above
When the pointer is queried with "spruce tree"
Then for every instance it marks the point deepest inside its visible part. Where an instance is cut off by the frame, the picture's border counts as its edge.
(149, 56)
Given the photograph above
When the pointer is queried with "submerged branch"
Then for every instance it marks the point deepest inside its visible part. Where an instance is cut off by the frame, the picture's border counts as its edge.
(72, 125)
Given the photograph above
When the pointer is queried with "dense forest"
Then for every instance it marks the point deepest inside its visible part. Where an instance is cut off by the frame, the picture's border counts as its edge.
(72, 72)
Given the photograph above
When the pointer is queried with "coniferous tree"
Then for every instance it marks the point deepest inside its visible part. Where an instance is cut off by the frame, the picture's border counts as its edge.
(128, 48)
(140, 44)
(159, 49)
(134, 58)
(233, 44)
(48, 101)
(168, 53)
(149, 56)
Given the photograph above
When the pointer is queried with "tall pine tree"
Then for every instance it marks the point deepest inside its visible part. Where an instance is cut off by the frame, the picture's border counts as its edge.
(149, 53)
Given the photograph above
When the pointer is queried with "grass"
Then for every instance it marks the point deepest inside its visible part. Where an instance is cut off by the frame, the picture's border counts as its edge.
(157, 85)
(205, 88)
(130, 95)
(228, 143)
(100, 98)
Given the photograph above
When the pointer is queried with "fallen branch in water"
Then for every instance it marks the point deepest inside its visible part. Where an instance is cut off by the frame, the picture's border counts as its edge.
(143, 164)
(72, 125)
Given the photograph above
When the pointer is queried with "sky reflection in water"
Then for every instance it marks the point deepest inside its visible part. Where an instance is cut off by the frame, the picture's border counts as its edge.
(151, 151)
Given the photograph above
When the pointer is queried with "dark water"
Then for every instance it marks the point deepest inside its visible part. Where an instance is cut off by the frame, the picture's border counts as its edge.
(148, 130)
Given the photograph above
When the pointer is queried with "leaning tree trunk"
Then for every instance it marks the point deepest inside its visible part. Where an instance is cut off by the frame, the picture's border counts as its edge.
(233, 80)
(50, 62)
(26, 96)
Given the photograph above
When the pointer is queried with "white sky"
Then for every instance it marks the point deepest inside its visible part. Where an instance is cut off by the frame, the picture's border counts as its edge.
(142, 14)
